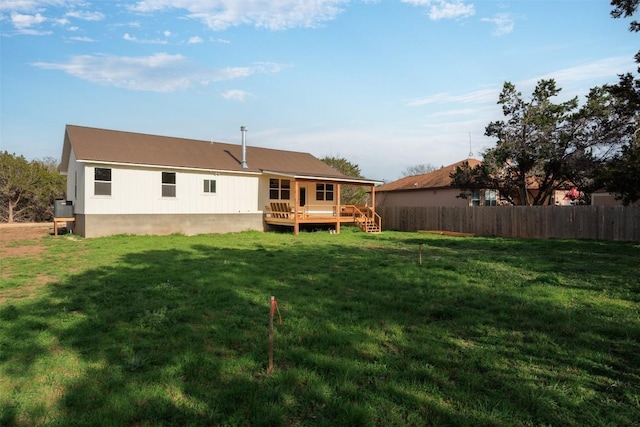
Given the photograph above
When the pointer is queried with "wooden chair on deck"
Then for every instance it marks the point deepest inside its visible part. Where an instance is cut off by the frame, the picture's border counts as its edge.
(280, 210)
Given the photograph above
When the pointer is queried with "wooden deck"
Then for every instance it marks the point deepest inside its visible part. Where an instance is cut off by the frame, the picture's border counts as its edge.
(284, 214)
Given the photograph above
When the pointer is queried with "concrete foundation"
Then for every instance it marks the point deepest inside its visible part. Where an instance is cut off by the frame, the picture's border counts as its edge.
(188, 224)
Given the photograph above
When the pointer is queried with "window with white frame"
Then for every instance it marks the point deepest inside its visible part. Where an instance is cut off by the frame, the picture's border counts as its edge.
(102, 181)
(490, 197)
(210, 186)
(168, 184)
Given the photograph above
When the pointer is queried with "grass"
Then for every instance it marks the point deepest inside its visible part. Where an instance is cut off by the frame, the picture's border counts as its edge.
(172, 330)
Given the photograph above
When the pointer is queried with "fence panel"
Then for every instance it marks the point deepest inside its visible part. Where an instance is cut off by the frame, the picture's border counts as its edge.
(619, 223)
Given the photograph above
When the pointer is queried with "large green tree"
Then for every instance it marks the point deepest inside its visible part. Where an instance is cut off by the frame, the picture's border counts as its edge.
(28, 188)
(540, 144)
(621, 175)
(349, 194)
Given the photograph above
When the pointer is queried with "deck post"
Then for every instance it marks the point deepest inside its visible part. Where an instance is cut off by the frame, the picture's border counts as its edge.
(338, 208)
(296, 206)
(373, 198)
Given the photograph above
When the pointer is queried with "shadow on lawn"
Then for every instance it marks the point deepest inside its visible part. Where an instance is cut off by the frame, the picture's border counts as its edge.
(178, 337)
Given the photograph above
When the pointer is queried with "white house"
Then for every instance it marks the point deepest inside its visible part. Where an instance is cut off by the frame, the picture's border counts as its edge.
(131, 183)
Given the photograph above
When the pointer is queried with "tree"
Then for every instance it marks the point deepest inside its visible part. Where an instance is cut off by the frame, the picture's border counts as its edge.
(621, 175)
(349, 194)
(468, 178)
(541, 144)
(27, 189)
(51, 186)
(625, 9)
(420, 169)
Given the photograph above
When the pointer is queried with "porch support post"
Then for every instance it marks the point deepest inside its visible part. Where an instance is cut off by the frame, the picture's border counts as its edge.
(296, 203)
(373, 198)
(338, 208)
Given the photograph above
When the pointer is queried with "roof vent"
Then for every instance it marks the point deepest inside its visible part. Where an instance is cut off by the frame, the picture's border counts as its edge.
(243, 129)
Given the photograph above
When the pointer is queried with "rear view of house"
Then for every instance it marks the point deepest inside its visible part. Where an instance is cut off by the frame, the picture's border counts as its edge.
(131, 183)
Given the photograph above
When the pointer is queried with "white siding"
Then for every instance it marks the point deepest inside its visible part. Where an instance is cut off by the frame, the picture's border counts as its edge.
(139, 191)
(75, 184)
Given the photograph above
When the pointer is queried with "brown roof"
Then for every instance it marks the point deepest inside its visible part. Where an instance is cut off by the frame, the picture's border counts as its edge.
(437, 179)
(111, 146)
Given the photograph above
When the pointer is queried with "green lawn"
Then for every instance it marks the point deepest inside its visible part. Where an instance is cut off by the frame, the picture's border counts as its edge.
(172, 330)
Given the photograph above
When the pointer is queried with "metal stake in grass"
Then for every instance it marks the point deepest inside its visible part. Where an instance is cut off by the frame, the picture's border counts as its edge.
(274, 307)
(420, 254)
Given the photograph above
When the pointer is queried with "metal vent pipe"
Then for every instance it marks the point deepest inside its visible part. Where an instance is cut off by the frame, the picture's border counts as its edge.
(243, 129)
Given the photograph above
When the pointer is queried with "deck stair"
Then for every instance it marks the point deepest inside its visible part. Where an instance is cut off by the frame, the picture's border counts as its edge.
(367, 220)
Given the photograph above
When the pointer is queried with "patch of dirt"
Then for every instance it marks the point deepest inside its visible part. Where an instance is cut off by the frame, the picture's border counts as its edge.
(22, 238)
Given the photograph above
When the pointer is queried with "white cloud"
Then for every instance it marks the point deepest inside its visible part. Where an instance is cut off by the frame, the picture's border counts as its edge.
(444, 9)
(606, 68)
(130, 38)
(578, 78)
(478, 96)
(235, 94)
(167, 33)
(85, 15)
(81, 39)
(28, 16)
(161, 72)
(24, 22)
(273, 15)
(450, 10)
(194, 40)
(504, 23)
(32, 5)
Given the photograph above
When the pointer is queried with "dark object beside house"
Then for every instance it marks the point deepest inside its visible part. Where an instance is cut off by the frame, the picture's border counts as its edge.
(63, 209)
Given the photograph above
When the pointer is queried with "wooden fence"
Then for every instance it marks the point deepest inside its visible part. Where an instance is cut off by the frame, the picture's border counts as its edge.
(620, 223)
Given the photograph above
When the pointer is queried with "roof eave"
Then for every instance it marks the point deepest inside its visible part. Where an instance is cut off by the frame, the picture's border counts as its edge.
(150, 166)
(315, 177)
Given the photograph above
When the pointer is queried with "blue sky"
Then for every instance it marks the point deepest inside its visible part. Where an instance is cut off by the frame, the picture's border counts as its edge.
(385, 84)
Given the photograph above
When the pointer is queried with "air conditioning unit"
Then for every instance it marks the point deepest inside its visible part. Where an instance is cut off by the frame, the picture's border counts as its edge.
(63, 209)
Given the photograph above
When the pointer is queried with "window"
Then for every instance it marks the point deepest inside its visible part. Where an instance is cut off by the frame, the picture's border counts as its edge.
(475, 198)
(324, 191)
(102, 182)
(209, 185)
(483, 198)
(168, 184)
(279, 189)
(490, 197)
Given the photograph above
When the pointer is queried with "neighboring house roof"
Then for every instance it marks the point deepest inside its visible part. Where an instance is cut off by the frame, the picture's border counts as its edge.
(437, 179)
(118, 147)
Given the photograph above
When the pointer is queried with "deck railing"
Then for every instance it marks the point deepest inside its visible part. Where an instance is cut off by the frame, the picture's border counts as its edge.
(320, 211)
(367, 218)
